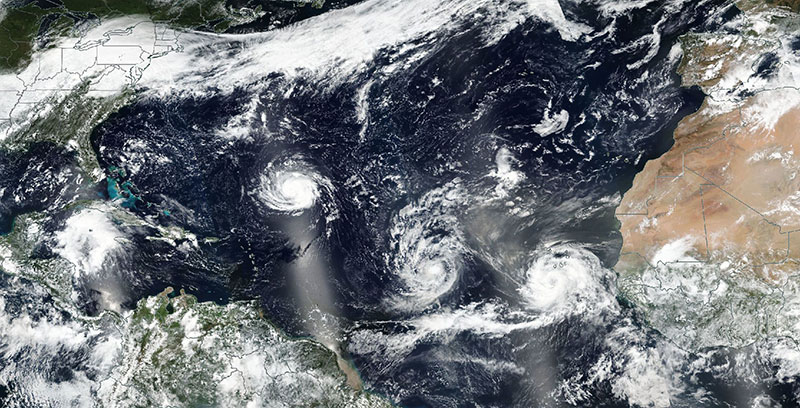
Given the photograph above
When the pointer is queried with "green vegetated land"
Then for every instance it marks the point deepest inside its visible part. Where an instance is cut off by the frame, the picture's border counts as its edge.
(23, 25)
(793, 4)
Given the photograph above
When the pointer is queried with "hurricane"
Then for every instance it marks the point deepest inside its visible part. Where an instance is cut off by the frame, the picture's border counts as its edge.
(428, 249)
(290, 187)
(565, 278)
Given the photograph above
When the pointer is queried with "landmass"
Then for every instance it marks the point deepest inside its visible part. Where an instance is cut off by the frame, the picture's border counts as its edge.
(179, 352)
(711, 229)
(171, 350)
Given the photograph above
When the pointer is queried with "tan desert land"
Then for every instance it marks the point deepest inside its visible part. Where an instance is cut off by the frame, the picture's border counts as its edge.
(721, 208)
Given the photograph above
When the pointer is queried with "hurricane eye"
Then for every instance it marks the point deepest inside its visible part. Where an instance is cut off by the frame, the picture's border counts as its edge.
(289, 191)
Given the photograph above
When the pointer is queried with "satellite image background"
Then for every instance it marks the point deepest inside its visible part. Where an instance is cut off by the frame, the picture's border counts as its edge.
(455, 203)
